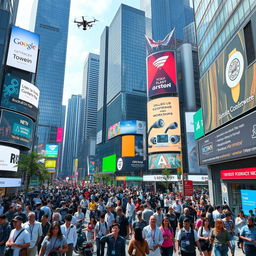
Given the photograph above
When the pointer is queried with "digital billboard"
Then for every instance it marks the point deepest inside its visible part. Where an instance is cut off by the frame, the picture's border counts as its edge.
(164, 161)
(198, 124)
(126, 127)
(248, 200)
(9, 158)
(16, 129)
(59, 136)
(51, 151)
(164, 133)
(23, 49)
(192, 155)
(161, 73)
(109, 163)
(50, 163)
(20, 95)
(228, 88)
(128, 146)
(130, 164)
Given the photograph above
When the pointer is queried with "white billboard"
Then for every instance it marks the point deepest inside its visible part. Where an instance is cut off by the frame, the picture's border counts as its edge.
(23, 49)
(9, 158)
(10, 182)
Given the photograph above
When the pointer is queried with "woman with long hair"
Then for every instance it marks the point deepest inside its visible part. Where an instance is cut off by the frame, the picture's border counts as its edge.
(90, 228)
(220, 239)
(204, 233)
(168, 235)
(138, 246)
(54, 244)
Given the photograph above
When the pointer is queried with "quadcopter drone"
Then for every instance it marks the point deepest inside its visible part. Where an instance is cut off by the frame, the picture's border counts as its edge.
(86, 24)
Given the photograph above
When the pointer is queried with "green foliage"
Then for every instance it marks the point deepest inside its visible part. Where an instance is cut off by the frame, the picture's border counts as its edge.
(166, 176)
(105, 178)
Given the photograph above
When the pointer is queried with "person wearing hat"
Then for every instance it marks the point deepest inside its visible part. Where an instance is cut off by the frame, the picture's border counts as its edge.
(5, 230)
(139, 223)
(19, 237)
(20, 213)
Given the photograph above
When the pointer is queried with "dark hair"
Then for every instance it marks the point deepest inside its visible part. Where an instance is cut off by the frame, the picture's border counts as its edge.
(210, 209)
(228, 214)
(241, 212)
(203, 214)
(46, 216)
(138, 235)
(102, 216)
(55, 224)
(68, 217)
(165, 217)
(209, 223)
(115, 225)
(186, 220)
(158, 208)
(3, 216)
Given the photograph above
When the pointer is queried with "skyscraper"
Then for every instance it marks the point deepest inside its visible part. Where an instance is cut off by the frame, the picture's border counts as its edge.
(72, 135)
(52, 26)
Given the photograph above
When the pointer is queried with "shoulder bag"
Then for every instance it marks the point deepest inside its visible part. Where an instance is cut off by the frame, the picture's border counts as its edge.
(9, 250)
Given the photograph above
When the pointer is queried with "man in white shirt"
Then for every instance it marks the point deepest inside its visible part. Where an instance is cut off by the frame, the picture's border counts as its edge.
(130, 213)
(69, 231)
(19, 237)
(177, 208)
(109, 217)
(153, 235)
(34, 229)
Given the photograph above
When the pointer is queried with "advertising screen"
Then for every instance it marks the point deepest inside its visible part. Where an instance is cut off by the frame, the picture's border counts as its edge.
(248, 200)
(164, 125)
(16, 129)
(129, 164)
(126, 127)
(193, 166)
(51, 150)
(128, 146)
(228, 88)
(198, 124)
(59, 135)
(109, 163)
(164, 161)
(50, 163)
(23, 49)
(161, 73)
(9, 158)
(20, 95)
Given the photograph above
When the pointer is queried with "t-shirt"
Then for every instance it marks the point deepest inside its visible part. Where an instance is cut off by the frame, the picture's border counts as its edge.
(182, 217)
(23, 238)
(101, 229)
(123, 222)
(221, 237)
(53, 243)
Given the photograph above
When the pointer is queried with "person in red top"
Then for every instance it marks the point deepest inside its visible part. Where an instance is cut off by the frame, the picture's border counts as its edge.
(168, 245)
(87, 195)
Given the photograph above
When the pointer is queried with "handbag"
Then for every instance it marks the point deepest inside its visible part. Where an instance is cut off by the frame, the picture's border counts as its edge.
(9, 250)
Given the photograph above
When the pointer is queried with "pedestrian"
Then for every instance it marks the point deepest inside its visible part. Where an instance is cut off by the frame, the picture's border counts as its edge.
(130, 213)
(101, 229)
(79, 215)
(186, 216)
(54, 244)
(187, 240)
(172, 219)
(167, 247)
(177, 208)
(90, 228)
(116, 243)
(138, 246)
(220, 239)
(139, 222)
(45, 224)
(34, 229)
(69, 231)
(147, 213)
(19, 239)
(109, 217)
(240, 222)
(123, 223)
(38, 212)
(204, 235)
(230, 227)
(20, 213)
(159, 216)
(153, 236)
(248, 235)
(5, 230)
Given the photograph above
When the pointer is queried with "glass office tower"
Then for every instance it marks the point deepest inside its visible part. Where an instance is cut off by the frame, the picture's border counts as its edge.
(52, 26)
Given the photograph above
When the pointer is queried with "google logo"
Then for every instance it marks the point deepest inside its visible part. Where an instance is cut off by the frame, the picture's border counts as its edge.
(28, 46)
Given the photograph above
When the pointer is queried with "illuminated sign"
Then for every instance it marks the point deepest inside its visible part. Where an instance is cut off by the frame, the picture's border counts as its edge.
(237, 174)
(50, 163)
(164, 161)
(51, 151)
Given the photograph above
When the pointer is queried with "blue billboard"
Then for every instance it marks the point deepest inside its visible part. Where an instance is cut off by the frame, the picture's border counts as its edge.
(51, 150)
(248, 200)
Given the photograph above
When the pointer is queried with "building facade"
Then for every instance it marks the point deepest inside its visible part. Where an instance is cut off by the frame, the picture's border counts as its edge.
(52, 26)
(226, 50)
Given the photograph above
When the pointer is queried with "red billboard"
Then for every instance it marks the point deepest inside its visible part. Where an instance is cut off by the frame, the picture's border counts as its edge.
(59, 136)
(237, 174)
(161, 73)
(188, 188)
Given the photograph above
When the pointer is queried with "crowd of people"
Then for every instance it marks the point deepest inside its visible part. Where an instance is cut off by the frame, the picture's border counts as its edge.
(127, 221)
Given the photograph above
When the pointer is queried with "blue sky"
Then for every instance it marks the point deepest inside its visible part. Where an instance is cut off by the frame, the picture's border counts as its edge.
(81, 42)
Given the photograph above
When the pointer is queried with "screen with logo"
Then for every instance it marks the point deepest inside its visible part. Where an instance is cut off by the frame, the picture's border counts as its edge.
(228, 88)
(161, 73)
(23, 49)
(164, 132)
(9, 158)
(164, 161)
(16, 129)
(51, 151)
(130, 164)
(109, 163)
(20, 95)
(248, 200)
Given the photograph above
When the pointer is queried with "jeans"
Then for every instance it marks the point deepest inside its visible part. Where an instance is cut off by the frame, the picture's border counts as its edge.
(100, 247)
(220, 250)
(249, 250)
(232, 245)
(166, 251)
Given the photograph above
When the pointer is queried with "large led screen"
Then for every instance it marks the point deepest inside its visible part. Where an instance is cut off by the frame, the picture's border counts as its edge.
(51, 151)
(109, 163)
(228, 88)
(23, 49)
(20, 95)
(164, 132)
(161, 73)
(16, 129)
(164, 161)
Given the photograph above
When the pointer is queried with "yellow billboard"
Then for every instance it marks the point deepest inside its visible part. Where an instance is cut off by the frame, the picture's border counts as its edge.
(50, 163)
(164, 133)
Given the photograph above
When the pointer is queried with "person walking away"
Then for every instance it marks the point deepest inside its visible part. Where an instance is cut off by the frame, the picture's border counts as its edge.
(19, 237)
(101, 229)
(138, 246)
(147, 213)
(45, 224)
(204, 233)
(34, 229)
(177, 208)
(153, 236)
(187, 240)
(130, 213)
(220, 239)
(248, 236)
(54, 244)
(168, 235)
(172, 219)
(240, 222)
(123, 222)
(139, 223)
(116, 243)
(217, 213)
(5, 230)
(230, 227)
(69, 232)
(159, 216)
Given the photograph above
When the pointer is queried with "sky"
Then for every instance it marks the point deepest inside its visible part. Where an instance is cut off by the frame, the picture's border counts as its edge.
(80, 42)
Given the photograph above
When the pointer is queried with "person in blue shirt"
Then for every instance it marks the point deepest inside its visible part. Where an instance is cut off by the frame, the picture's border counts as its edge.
(248, 235)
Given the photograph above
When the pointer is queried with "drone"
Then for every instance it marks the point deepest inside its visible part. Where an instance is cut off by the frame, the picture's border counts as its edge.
(86, 24)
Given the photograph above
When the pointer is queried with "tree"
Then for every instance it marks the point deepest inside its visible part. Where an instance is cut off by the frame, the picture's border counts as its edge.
(105, 178)
(31, 165)
(166, 177)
